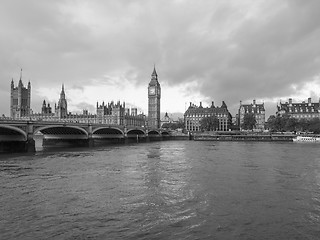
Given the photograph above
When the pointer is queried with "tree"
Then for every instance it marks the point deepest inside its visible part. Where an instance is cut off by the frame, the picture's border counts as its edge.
(284, 122)
(174, 125)
(302, 124)
(209, 123)
(271, 123)
(180, 123)
(314, 125)
(249, 121)
(291, 124)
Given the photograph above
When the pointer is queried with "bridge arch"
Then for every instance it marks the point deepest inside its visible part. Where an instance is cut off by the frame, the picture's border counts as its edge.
(12, 131)
(107, 130)
(153, 132)
(135, 132)
(165, 133)
(63, 130)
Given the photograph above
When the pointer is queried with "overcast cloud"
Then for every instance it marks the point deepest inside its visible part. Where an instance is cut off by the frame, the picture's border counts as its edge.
(203, 50)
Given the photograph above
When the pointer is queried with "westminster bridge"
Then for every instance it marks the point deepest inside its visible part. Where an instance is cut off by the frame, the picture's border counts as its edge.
(19, 135)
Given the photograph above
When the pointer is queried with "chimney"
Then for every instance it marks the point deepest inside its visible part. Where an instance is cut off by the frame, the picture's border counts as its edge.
(290, 101)
(201, 104)
(254, 102)
(309, 101)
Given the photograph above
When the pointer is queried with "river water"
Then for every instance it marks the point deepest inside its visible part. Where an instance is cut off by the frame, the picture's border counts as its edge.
(163, 190)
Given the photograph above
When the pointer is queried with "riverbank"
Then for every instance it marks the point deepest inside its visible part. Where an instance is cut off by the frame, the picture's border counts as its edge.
(244, 137)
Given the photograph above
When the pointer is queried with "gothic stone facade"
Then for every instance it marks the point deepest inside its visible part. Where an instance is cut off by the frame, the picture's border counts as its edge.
(154, 96)
(46, 110)
(20, 99)
(117, 114)
(61, 110)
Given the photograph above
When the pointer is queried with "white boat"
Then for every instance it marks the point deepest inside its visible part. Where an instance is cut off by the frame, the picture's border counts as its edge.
(307, 139)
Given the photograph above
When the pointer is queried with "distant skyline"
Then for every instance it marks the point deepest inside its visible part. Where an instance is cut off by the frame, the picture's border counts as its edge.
(210, 50)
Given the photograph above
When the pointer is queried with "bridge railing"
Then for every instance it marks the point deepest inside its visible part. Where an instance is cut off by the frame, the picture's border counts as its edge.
(76, 121)
(89, 120)
(50, 119)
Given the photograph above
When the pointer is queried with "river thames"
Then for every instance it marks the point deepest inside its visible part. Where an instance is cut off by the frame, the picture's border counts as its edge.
(163, 190)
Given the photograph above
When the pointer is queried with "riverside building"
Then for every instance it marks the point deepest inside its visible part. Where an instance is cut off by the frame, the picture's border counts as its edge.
(117, 114)
(20, 99)
(166, 119)
(61, 110)
(154, 96)
(194, 114)
(46, 110)
(299, 110)
(112, 113)
(257, 110)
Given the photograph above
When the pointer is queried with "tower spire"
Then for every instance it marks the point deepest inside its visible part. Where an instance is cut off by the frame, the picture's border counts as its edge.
(154, 73)
(62, 94)
(21, 74)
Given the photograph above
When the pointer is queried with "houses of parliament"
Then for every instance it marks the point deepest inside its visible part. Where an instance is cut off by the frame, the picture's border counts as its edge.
(113, 113)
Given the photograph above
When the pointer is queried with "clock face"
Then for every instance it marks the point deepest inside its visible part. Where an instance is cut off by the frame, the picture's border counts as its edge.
(152, 91)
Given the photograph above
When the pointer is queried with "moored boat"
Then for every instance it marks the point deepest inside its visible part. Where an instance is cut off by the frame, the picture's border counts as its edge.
(307, 139)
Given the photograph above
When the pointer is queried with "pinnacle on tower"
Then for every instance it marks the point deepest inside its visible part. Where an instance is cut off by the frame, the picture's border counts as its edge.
(20, 84)
(154, 73)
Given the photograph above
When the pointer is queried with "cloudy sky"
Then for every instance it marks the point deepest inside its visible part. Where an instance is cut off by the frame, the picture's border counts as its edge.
(210, 50)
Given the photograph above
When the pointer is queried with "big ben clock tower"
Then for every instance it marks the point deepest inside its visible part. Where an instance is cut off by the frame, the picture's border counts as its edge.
(154, 95)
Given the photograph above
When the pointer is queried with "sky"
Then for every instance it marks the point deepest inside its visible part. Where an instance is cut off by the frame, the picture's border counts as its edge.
(203, 51)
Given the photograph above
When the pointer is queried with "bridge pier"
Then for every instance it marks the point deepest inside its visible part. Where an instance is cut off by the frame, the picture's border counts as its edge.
(90, 142)
(90, 138)
(30, 144)
(126, 139)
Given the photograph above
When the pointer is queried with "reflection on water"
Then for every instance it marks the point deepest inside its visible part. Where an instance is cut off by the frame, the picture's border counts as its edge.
(163, 190)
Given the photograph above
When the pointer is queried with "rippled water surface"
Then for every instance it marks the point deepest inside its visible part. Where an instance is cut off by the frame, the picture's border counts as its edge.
(163, 190)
